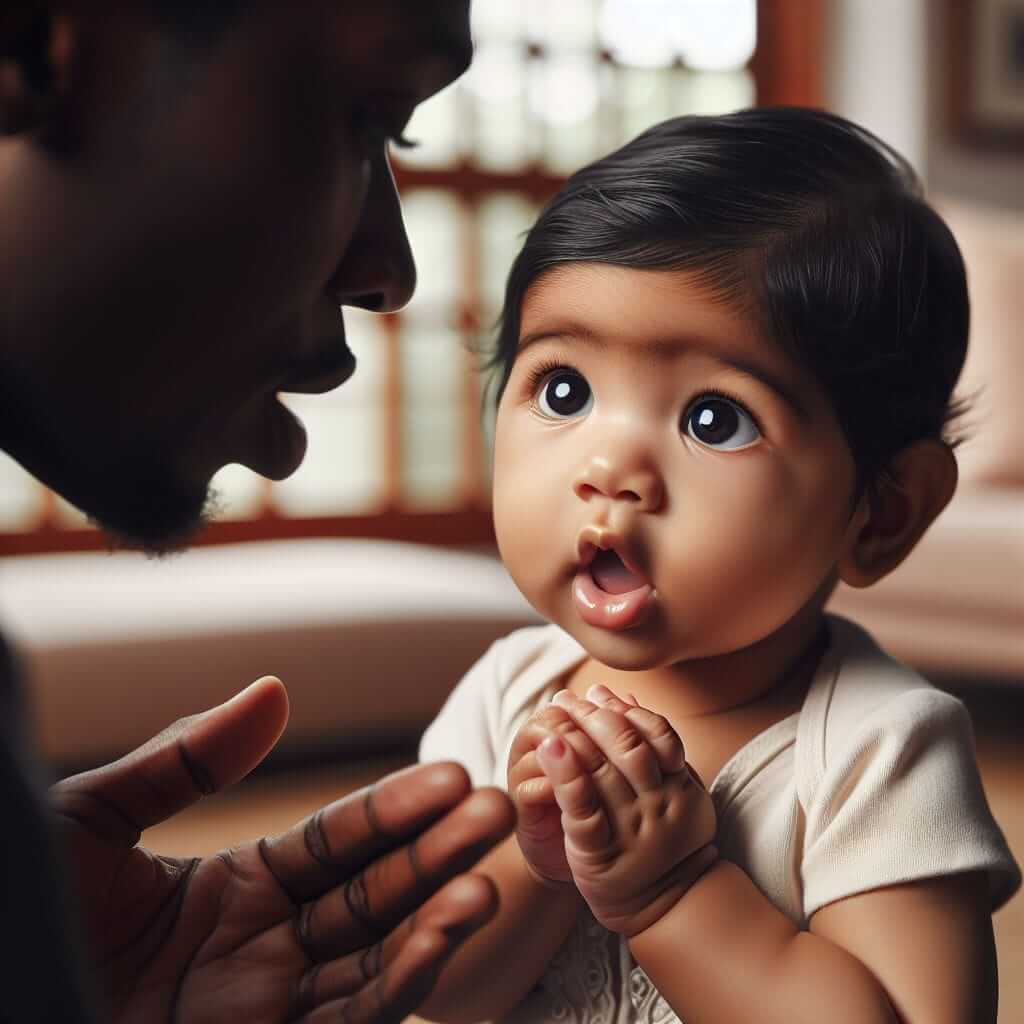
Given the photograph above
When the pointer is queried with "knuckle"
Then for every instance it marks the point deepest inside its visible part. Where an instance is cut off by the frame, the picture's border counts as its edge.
(304, 993)
(636, 820)
(315, 838)
(627, 740)
(304, 931)
(548, 717)
(660, 727)
(371, 961)
(580, 798)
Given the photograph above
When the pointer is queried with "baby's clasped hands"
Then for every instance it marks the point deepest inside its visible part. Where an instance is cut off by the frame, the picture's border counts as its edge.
(636, 826)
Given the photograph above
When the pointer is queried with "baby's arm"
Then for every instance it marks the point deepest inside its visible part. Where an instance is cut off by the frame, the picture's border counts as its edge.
(921, 951)
(721, 951)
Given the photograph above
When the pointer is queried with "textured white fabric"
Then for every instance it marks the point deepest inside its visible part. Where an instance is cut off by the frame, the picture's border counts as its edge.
(872, 783)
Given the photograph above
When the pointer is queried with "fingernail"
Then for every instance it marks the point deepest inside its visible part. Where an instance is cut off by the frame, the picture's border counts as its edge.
(599, 694)
(562, 698)
(554, 746)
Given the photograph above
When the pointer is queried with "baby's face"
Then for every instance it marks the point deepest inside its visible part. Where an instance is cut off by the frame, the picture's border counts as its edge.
(668, 484)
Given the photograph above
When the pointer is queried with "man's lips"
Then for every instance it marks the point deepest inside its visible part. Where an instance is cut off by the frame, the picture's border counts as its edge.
(273, 439)
(323, 373)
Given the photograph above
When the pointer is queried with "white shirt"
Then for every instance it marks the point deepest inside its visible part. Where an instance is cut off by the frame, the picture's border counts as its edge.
(872, 783)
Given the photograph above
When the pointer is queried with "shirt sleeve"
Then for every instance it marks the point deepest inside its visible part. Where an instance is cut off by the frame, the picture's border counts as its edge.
(901, 799)
(467, 728)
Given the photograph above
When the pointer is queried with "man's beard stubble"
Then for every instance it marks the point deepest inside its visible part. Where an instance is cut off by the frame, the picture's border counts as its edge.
(152, 518)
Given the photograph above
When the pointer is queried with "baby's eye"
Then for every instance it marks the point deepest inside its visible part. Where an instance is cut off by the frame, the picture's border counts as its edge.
(564, 393)
(719, 423)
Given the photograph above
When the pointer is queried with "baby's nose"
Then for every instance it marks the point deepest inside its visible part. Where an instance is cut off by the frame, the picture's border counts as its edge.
(637, 485)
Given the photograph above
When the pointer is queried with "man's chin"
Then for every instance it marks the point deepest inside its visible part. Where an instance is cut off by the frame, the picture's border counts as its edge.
(154, 521)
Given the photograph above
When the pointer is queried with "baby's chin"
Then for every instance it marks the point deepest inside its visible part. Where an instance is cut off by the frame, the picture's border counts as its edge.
(639, 649)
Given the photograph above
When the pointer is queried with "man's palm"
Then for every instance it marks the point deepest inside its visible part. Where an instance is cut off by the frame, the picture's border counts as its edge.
(314, 921)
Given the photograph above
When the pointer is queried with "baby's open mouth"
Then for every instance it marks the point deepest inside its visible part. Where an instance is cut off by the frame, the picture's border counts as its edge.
(612, 575)
(607, 593)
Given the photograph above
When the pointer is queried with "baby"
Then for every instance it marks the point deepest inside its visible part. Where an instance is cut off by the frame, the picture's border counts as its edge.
(726, 363)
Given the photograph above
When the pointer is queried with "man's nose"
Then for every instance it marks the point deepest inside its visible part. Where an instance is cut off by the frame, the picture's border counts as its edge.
(625, 476)
(377, 271)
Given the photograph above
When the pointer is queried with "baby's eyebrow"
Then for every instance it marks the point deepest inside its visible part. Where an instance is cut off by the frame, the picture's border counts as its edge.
(669, 347)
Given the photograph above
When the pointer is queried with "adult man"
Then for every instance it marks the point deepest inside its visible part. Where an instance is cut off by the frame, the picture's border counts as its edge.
(188, 192)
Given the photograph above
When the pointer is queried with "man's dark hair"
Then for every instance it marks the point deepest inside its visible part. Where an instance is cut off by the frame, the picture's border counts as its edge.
(813, 225)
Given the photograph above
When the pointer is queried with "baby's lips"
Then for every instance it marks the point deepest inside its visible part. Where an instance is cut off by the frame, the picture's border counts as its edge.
(596, 537)
(610, 611)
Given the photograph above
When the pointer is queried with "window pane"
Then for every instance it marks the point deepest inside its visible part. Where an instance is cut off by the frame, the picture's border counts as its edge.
(433, 224)
(67, 516)
(21, 496)
(495, 88)
(713, 92)
(564, 100)
(645, 97)
(634, 31)
(715, 35)
(562, 25)
(502, 218)
(344, 466)
(496, 19)
(239, 493)
(435, 127)
(711, 35)
(433, 368)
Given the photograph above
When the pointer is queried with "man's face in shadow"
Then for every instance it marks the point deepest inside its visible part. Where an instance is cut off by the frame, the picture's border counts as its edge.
(181, 259)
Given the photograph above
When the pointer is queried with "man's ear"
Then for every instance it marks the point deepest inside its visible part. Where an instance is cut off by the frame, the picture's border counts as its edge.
(892, 516)
(37, 48)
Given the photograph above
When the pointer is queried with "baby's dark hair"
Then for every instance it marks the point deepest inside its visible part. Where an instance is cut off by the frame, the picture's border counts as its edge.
(811, 223)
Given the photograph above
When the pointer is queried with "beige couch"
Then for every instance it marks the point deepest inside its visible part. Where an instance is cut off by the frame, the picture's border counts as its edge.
(369, 637)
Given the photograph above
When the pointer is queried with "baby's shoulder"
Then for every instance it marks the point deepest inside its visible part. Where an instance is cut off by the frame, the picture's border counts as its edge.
(863, 702)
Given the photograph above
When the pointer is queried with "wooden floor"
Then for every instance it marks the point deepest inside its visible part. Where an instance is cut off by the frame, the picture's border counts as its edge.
(272, 803)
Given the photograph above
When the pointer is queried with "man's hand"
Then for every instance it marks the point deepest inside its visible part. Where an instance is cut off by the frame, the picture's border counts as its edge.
(632, 811)
(349, 915)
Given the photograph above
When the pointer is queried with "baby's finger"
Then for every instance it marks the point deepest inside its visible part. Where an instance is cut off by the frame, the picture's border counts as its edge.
(534, 791)
(629, 754)
(584, 819)
(655, 728)
(556, 720)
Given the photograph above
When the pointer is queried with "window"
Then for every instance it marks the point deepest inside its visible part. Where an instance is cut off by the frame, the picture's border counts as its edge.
(401, 450)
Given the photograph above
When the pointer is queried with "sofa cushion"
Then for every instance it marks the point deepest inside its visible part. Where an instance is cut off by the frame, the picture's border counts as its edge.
(368, 636)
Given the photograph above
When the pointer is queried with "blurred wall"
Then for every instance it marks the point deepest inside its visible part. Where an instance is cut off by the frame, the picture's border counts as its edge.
(887, 67)
(876, 70)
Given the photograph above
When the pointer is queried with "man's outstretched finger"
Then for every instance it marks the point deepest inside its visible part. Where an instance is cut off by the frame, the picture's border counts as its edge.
(193, 757)
(338, 841)
(395, 993)
(456, 912)
(370, 904)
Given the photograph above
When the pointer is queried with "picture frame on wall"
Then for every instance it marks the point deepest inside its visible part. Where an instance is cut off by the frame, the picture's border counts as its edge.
(986, 51)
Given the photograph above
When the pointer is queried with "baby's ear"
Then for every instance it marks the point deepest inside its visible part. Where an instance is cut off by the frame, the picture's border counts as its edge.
(892, 516)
